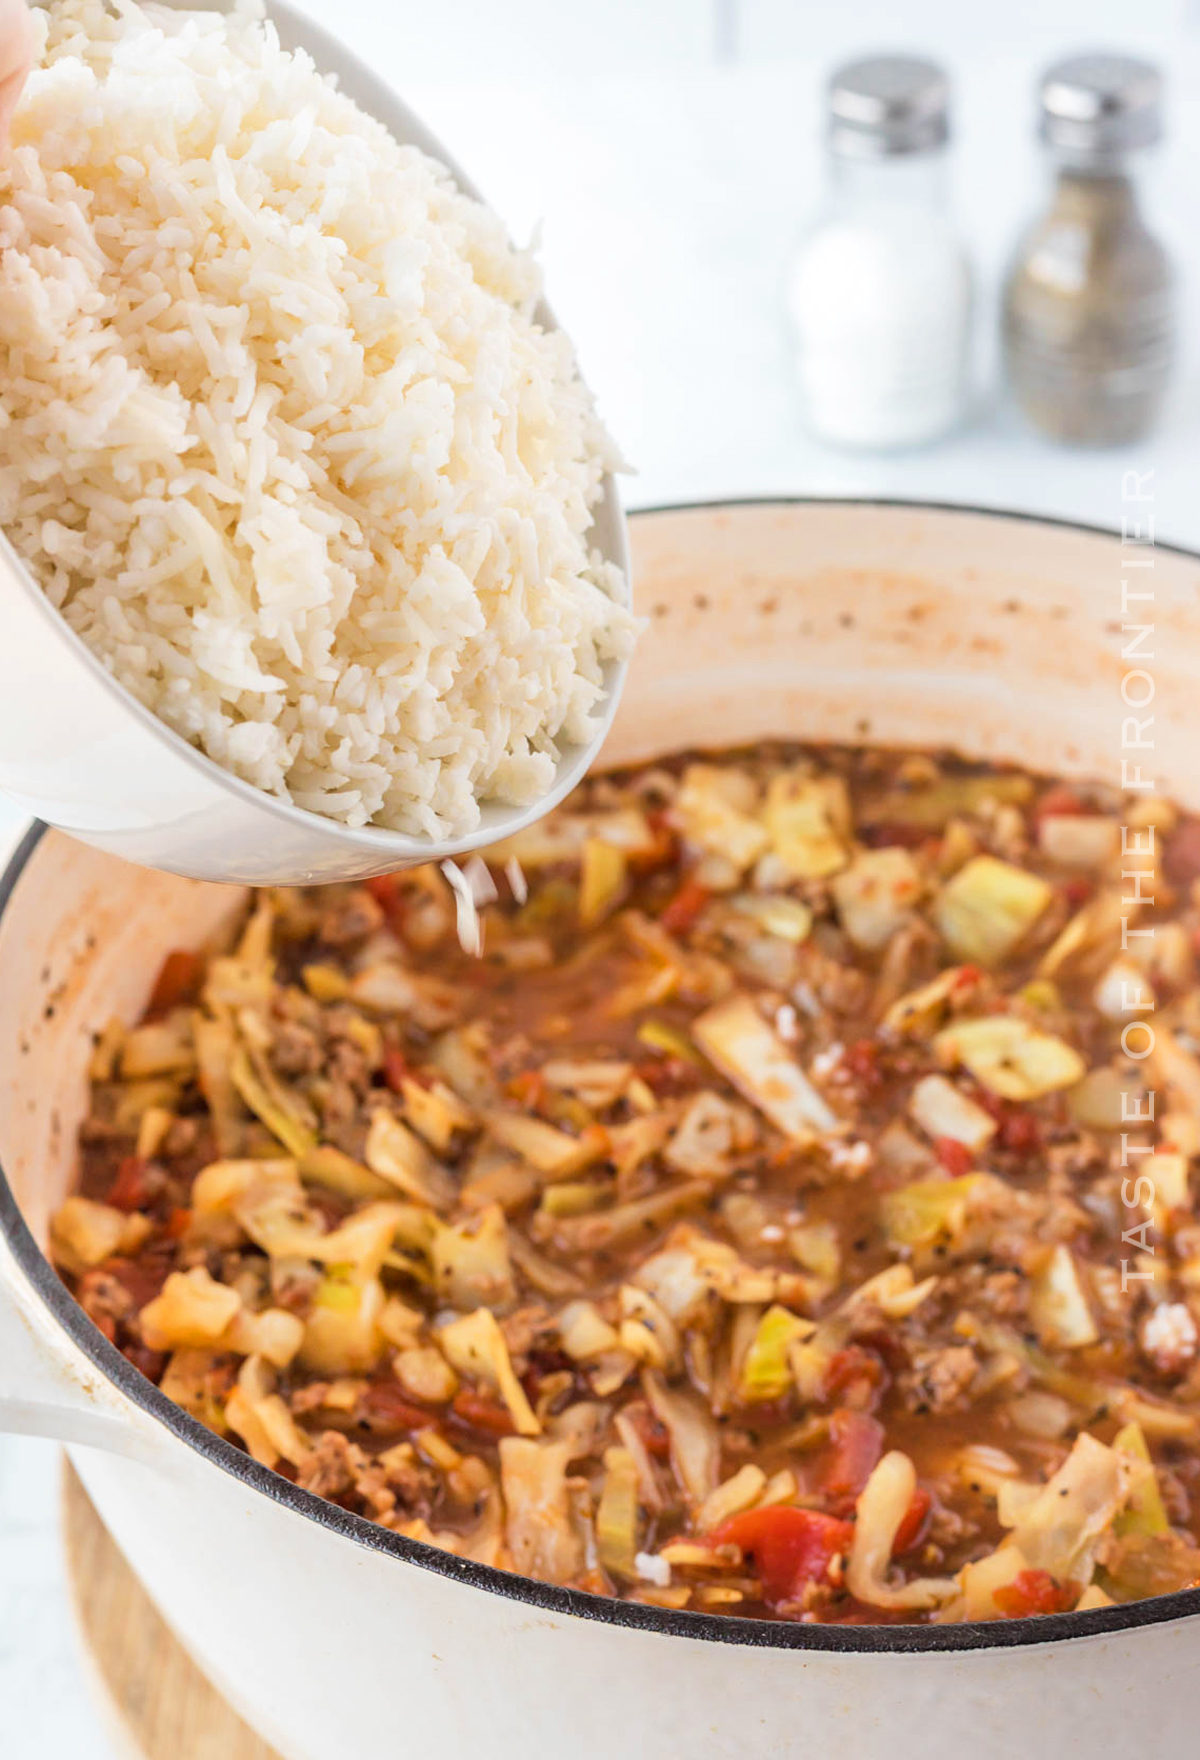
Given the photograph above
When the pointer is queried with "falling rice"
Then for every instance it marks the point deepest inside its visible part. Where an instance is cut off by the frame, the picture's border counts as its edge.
(280, 435)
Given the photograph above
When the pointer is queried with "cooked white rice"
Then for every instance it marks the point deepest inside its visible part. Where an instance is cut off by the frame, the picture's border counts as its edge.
(279, 435)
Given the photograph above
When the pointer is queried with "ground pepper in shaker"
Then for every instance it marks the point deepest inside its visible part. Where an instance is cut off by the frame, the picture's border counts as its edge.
(880, 290)
(1089, 320)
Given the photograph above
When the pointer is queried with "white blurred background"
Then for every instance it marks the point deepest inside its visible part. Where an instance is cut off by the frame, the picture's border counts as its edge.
(669, 151)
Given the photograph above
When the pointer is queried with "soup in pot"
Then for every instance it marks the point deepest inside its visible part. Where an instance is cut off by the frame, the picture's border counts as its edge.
(785, 1212)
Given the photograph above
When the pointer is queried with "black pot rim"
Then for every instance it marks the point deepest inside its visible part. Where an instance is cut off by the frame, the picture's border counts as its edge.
(662, 1622)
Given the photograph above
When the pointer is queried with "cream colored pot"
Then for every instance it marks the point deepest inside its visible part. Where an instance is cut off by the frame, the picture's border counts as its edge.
(997, 635)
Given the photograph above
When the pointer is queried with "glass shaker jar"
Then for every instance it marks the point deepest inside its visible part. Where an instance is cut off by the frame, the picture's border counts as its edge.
(879, 293)
(1089, 320)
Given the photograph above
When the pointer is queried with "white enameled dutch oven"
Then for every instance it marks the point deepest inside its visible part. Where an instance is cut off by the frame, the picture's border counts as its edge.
(997, 635)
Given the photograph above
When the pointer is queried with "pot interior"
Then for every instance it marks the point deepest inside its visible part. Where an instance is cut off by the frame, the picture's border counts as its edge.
(998, 636)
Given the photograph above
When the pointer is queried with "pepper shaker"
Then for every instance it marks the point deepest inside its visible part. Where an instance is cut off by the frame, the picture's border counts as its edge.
(1089, 322)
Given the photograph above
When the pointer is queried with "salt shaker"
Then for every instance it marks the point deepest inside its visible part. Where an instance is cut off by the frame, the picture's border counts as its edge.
(1089, 321)
(880, 290)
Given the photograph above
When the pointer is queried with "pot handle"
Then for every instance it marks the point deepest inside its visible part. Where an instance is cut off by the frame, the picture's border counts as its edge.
(47, 1386)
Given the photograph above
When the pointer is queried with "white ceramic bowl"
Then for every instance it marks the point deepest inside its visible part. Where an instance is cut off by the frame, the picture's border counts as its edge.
(337, 1639)
(77, 751)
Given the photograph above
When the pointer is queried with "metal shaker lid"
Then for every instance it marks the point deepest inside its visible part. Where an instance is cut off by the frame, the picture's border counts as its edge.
(1095, 107)
(888, 104)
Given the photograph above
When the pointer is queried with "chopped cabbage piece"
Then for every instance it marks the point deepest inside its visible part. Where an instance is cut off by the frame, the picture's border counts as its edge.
(1058, 1305)
(337, 1172)
(695, 1444)
(424, 1372)
(744, 1490)
(766, 1370)
(875, 894)
(325, 983)
(342, 1334)
(786, 918)
(617, 1516)
(930, 1211)
(708, 1134)
(715, 807)
(1123, 992)
(989, 907)
(435, 1112)
(191, 1311)
(541, 1533)
(157, 1048)
(216, 1043)
(978, 1582)
(1010, 1057)
(398, 1154)
(601, 881)
(274, 1333)
(262, 1419)
(550, 1151)
(584, 1332)
(918, 1011)
(942, 1110)
(1060, 1528)
(475, 1346)
(285, 1116)
(882, 1505)
(1098, 1100)
(471, 1266)
(808, 822)
(1079, 840)
(84, 1233)
(1145, 1512)
(734, 1036)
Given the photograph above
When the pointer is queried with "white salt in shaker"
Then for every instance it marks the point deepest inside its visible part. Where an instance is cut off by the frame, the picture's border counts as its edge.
(880, 290)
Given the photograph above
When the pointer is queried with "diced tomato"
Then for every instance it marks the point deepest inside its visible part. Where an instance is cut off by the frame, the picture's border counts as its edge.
(179, 979)
(665, 848)
(909, 1531)
(543, 1364)
(888, 1347)
(893, 833)
(1181, 858)
(682, 911)
(790, 1547)
(143, 1277)
(479, 1412)
(384, 1405)
(652, 1435)
(1035, 1592)
(954, 1156)
(1020, 1132)
(385, 890)
(855, 1374)
(151, 1363)
(856, 1443)
(668, 1076)
(1058, 801)
(596, 1137)
(178, 1223)
(129, 1190)
(861, 1058)
(395, 1068)
(529, 1088)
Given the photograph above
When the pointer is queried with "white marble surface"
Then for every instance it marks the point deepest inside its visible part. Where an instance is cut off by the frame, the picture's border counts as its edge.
(667, 147)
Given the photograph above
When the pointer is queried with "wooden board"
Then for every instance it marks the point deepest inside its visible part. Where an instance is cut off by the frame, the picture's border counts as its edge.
(160, 1705)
